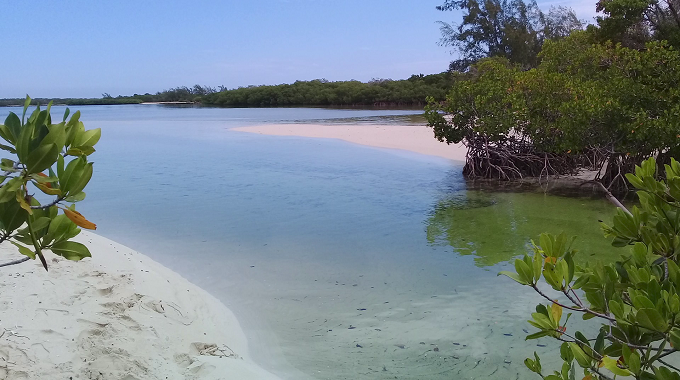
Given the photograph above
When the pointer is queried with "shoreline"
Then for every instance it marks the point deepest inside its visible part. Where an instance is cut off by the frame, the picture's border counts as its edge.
(414, 138)
(117, 315)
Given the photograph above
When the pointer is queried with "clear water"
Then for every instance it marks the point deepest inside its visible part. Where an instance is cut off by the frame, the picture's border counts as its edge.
(340, 261)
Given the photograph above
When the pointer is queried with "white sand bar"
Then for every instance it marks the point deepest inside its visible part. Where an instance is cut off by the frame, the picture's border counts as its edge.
(118, 315)
(414, 138)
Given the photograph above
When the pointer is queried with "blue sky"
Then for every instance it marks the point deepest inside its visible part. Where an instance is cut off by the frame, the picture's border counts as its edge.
(86, 48)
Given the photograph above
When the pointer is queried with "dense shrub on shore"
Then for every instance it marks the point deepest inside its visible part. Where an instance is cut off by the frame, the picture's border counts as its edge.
(605, 98)
(605, 107)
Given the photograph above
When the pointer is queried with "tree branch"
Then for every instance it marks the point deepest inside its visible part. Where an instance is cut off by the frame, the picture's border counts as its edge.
(579, 309)
(610, 197)
(19, 261)
(59, 199)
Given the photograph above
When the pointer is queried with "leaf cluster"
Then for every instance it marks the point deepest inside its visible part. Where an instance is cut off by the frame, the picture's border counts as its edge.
(50, 159)
(634, 301)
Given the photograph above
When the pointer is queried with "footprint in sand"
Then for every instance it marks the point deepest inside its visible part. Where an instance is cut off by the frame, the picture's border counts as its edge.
(105, 291)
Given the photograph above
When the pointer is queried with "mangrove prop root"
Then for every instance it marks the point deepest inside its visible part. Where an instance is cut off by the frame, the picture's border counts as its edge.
(512, 159)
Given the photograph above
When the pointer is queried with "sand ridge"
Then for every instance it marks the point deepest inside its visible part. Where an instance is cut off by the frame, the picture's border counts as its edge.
(414, 138)
(118, 315)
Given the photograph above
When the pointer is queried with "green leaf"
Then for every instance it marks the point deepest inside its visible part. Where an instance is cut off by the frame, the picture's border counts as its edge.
(675, 337)
(531, 365)
(7, 148)
(78, 197)
(579, 335)
(27, 103)
(633, 363)
(57, 135)
(87, 138)
(543, 322)
(651, 319)
(40, 223)
(24, 251)
(9, 189)
(611, 364)
(663, 373)
(72, 169)
(12, 215)
(57, 229)
(74, 129)
(599, 343)
(23, 142)
(512, 275)
(42, 178)
(546, 242)
(42, 158)
(537, 335)
(640, 253)
(581, 358)
(552, 277)
(534, 365)
(6, 134)
(80, 180)
(14, 126)
(616, 308)
(71, 250)
(60, 167)
(80, 151)
(23, 239)
(565, 353)
(581, 281)
(524, 271)
(537, 266)
(635, 181)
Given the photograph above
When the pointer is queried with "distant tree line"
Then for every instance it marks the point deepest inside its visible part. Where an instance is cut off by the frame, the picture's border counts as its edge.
(178, 94)
(377, 92)
(17, 102)
(319, 92)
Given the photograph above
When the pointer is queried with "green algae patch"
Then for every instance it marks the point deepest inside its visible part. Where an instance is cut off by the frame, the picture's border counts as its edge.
(497, 227)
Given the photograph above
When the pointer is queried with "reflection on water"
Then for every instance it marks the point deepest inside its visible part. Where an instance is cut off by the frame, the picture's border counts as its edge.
(496, 227)
(413, 119)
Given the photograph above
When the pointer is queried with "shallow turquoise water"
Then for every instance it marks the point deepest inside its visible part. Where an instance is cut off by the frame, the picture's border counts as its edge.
(341, 261)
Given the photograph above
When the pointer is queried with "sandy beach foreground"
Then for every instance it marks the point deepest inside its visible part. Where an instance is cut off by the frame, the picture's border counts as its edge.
(414, 138)
(118, 315)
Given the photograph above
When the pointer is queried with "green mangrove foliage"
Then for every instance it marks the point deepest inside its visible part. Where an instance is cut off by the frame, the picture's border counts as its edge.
(634, 23)
(18, 102)
(181, 94)
(379, 92)
(587, 104)
(320, 92)
(634, 303)
(50, 160)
